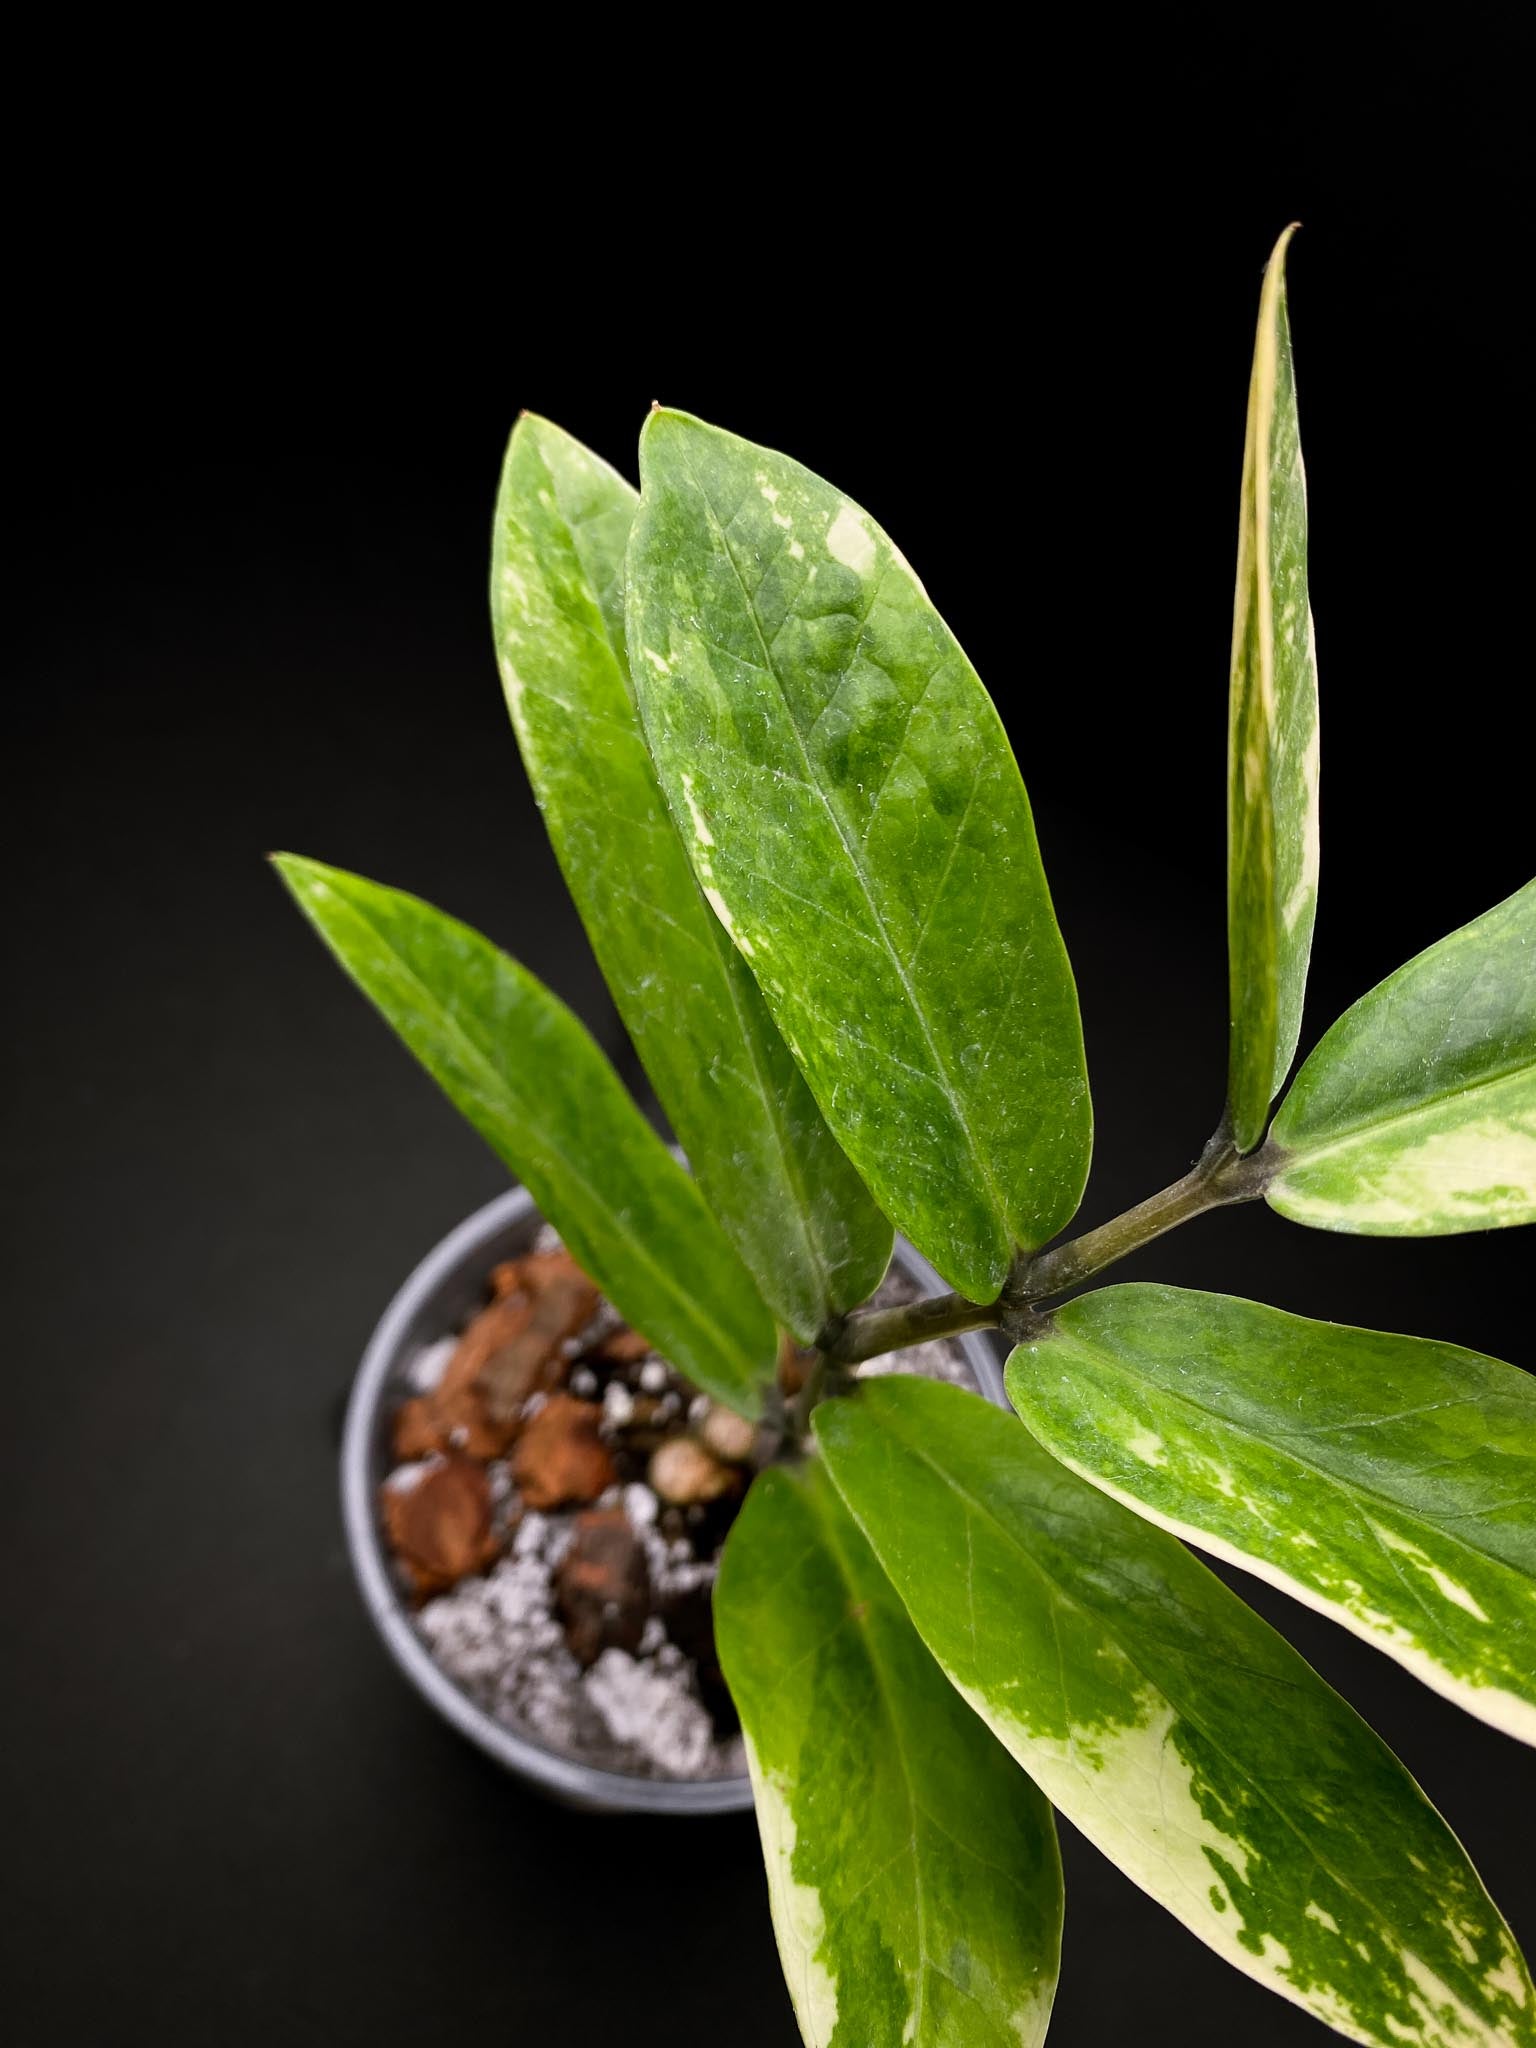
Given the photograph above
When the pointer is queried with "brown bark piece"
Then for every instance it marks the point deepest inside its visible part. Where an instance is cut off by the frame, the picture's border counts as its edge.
(558, 1300)
(416, 1429)
(507, 1278)
(560, 1459)
(603, 1586)
(454, 1416)
(487, 1333)
(451, 1421)
(440, 1528)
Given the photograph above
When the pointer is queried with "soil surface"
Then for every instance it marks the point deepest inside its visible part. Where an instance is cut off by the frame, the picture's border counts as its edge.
(556, 1514)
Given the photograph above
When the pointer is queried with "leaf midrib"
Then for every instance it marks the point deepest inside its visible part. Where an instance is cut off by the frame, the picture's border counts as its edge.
(1345, 1487)
(478, 1060)
(1069, 1599)
(1365, 1129)
(889, 1692)
(632, 731)
(883, 1690)
(814, 782)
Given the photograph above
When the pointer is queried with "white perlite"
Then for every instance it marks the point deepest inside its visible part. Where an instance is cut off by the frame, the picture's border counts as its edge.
(405, 1477)
(497, 1638)
(543, 1538)
(652, 1711)
(424, 1375)
(641, 1506)
(500, 1639)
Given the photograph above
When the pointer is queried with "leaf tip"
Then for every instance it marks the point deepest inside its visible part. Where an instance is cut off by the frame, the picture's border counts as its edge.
(659, 424)
(1277, 255)
(296, 870)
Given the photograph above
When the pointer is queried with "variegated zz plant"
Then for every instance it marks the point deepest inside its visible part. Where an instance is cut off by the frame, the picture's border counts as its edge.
(800, 844)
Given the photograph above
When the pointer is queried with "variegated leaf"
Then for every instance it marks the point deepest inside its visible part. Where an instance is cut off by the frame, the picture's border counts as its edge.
(912, 1866)
(529, 1076)
(855, 815)
(1175, 1728)
(1389, 1482)
(1416, 1114)
(1272, 831)
(779, 1183)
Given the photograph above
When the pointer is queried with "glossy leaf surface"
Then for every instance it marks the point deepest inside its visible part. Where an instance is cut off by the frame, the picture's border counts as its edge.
(912, 1866)
(1416, 1114)
(855, 816)
(1388, 1482)
(1272, 774)
(1174, 1727)
(778, 1182)
(529, 1076)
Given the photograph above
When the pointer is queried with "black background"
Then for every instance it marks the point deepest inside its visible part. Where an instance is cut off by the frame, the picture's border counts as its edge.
(253, 452)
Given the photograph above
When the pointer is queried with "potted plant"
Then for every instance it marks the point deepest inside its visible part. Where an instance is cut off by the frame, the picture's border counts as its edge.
(800, 844)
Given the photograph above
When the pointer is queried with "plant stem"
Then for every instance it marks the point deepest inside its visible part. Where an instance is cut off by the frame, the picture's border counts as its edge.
(1220, 1177)
(869, 1331)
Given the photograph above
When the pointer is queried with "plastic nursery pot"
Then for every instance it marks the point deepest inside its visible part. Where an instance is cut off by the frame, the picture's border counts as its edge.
(436, 1299)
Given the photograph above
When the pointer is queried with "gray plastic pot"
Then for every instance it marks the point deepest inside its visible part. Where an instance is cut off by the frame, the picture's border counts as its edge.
(443, 1291)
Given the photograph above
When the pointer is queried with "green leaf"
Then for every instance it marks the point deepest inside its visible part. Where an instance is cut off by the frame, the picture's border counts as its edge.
(1273, 736)
(1416, 1115)
(856, 819)
(778, 1182)
(1175, 1728)
(1388, 1482)
(912, 1867)
(527, 1074)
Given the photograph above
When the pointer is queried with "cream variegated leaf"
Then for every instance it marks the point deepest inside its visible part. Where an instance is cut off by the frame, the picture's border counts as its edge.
(1272, 779)
(856, 818)
(912, 1866)
(780, 1185)
(1415, 1116)
(1388, 1482)
(1176, 1729)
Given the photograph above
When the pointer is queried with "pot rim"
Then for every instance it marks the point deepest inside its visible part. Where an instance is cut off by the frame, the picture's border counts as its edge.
(398, 1334)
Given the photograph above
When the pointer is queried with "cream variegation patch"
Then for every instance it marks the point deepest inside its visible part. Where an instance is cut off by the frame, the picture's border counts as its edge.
(1147, 1446)
(1132, 1793)
(1448, 1588)
(513, 684)
(1305, 889)
(1480, 1169)
(702, 836)
(850, 541)
(1032, 2022)
(1346, 1604)
(1445, 2020)
(703, 841)
(799, 1921)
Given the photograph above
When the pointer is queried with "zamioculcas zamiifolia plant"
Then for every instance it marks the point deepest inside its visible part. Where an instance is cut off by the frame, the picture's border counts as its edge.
(799, 841)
